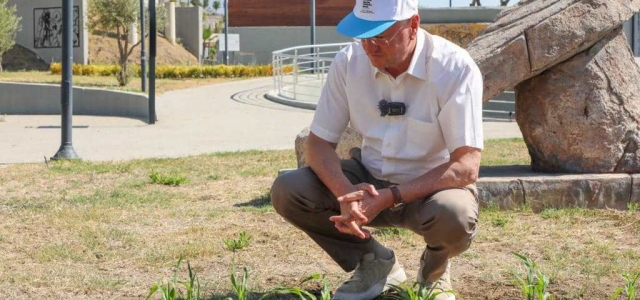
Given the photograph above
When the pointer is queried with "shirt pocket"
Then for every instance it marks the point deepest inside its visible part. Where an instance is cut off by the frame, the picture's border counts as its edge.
(422, 140)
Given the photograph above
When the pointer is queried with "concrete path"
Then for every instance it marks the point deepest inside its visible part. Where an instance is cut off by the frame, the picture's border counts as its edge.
(225, 117)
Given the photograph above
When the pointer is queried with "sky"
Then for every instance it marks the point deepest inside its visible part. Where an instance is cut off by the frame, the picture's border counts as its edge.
(445, 3)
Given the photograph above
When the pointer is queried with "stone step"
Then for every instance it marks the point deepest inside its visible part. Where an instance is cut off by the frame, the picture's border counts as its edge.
(500, 108)
(499, 105)
(489, 115)
(510, 187)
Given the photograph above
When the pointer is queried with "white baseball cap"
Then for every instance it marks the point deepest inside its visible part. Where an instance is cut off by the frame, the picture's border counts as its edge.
(371, 17)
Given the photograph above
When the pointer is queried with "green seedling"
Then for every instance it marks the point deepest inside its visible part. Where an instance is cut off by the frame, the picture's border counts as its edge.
(238, 285)
(633, 207)
(174, 179)
(629, 289)
(534, 285)
(168, 291)
(417, 291)
(325, 292)
(192, 285)
(237, 244)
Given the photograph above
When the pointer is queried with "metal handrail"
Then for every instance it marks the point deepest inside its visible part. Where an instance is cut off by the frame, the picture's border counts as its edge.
(299, 72)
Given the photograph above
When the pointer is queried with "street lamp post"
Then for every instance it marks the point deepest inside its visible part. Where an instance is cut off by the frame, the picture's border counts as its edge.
(143, 51)
(226, 32)
(66, 150)
(152, 61)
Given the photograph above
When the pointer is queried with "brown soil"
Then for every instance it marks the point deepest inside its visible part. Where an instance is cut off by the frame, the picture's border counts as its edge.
(104, 50)
(20, 58)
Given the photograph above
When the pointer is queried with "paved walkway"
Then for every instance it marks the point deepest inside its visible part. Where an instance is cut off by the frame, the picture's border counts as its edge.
(225, 117)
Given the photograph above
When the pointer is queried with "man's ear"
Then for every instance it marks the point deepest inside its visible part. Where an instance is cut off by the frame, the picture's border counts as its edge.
(415, 24)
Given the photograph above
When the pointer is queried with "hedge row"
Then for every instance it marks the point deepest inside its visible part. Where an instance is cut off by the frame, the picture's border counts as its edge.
(172, 72)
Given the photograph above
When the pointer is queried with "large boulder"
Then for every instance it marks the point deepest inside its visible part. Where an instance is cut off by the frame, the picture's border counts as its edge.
(528, 38)
(350, 139)
(582, 115)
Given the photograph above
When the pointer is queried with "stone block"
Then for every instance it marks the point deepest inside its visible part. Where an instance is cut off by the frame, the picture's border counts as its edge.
(585, 191)
(554, 30)
(505, 193)
(635, 188)
(349, 139)
(581, 116)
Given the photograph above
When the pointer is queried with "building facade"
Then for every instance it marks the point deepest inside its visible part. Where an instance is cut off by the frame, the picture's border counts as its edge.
(42, 29)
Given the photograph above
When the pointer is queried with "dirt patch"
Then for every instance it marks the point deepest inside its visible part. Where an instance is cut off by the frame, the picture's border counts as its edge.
(104, 50)
(20, 58)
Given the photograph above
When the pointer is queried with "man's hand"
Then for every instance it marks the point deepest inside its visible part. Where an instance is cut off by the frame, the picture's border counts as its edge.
(358, 208)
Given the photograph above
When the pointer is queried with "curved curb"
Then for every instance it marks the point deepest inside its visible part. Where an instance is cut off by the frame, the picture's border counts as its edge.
(44, 99)
(273, 96)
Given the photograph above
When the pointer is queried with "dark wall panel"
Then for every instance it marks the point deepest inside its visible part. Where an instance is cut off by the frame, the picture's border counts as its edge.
(246, 13)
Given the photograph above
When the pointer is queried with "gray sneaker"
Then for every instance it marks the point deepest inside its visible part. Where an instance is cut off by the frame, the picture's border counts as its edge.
(370, 278)
(442, 287)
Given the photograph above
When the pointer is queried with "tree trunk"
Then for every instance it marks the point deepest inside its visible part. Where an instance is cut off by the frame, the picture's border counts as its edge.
(124, 77)
(0, 63)
(475, 3)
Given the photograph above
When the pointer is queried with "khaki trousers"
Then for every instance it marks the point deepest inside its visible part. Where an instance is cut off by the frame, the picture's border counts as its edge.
(446, 220)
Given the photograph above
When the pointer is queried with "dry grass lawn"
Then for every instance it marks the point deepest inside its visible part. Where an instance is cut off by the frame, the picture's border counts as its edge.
(81, 230)
(110, 82)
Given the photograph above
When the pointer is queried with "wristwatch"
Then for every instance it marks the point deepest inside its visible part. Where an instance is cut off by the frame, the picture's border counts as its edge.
(398, 203)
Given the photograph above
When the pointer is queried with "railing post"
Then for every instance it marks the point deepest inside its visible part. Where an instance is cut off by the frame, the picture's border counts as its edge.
(322, 77)
(315, 60)
(295, 72)
(274, 72)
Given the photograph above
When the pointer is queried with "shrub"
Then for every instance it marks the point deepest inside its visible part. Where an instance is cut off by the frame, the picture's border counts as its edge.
(173, 72)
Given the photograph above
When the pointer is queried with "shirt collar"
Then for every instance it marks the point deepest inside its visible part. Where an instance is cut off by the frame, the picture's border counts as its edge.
(418, 66)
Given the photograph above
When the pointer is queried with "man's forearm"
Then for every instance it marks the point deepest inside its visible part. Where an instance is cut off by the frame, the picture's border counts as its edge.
(324, 161)
(456, 173)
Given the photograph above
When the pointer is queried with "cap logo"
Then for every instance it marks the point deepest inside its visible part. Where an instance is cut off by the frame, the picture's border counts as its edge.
(366, 7)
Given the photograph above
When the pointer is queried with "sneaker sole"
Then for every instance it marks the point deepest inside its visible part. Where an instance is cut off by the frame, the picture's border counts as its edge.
(396, 277)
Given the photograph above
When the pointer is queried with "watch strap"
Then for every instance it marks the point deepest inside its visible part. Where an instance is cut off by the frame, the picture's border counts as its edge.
(397, 197)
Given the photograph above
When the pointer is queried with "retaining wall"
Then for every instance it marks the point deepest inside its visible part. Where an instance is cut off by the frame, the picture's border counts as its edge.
(44, 99)
(189, 29)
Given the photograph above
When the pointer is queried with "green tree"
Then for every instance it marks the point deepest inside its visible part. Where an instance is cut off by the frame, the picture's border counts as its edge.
(9, 27)
(116, 17)
(216, 5)
(504, 2)
(205, 4)
(196, 3)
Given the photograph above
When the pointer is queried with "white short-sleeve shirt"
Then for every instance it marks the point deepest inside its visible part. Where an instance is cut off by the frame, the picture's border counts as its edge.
(442, 92)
